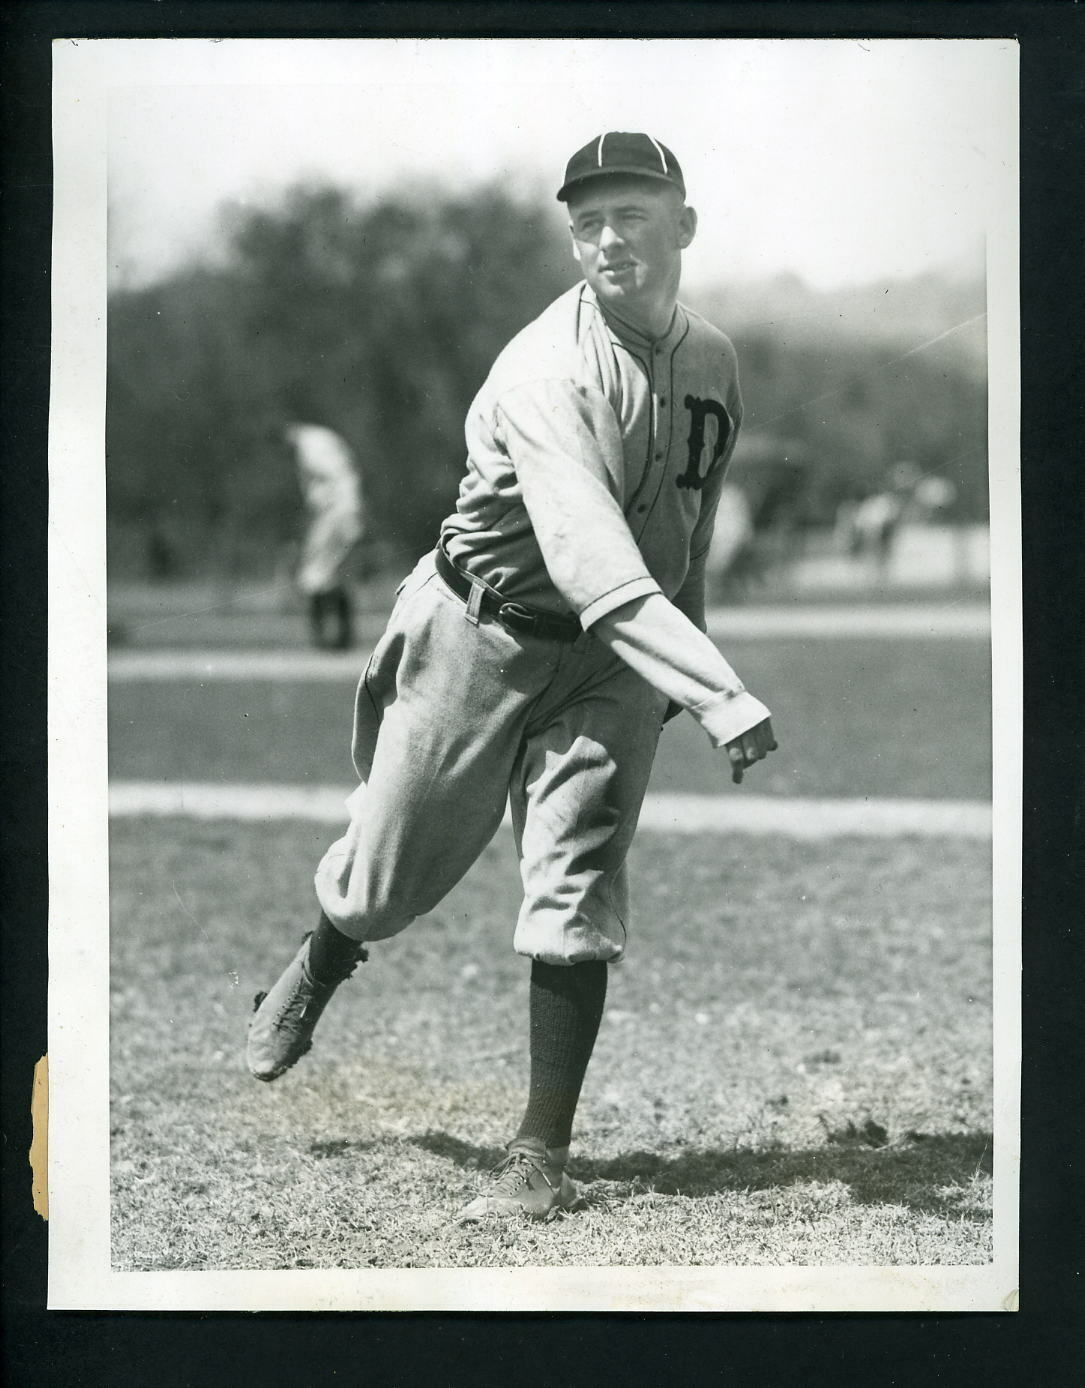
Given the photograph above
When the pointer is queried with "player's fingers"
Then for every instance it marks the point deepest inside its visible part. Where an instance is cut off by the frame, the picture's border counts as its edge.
(751, 746)
(738, 760)
(769, 736)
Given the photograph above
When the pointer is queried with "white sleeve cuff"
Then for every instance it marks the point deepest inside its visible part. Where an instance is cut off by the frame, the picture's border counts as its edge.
(727, 716)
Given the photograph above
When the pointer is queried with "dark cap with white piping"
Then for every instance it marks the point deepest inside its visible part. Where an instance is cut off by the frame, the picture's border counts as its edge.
(619, 152)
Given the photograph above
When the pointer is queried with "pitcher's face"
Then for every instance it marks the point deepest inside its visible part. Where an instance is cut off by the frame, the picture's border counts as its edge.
(629, 235)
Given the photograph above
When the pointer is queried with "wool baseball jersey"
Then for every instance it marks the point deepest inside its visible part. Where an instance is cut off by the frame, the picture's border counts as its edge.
(595, 461)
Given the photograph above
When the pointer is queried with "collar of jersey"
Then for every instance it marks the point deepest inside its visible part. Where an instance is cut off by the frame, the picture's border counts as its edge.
(631, 336)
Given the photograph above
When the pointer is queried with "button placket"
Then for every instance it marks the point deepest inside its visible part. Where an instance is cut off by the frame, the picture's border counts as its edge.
(662, 414)
(661, 430)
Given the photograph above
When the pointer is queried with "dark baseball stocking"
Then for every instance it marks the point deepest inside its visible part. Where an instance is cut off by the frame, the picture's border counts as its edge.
(566, 1005)
(331, 953)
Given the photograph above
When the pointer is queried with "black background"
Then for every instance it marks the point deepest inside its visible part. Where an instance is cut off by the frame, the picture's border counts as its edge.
(1042, 1344)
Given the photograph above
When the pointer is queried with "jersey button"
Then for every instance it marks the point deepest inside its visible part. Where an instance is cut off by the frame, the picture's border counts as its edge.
(659, 457)
(662, 399)
(642, 507)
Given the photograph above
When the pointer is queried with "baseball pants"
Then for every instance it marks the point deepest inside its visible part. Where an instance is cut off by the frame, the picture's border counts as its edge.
(454, 718)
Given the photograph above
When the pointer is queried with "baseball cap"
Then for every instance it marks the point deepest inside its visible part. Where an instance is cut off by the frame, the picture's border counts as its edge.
(622, 152)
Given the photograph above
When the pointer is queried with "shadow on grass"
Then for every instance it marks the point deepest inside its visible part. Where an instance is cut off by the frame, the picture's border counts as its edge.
(914, 1173)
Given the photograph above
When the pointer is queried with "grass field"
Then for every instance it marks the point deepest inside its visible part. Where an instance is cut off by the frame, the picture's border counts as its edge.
(794, 1066)
(853, 717)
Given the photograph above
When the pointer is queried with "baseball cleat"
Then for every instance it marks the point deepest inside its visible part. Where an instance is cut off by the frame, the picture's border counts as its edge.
(281, 1029)
(528, 1182)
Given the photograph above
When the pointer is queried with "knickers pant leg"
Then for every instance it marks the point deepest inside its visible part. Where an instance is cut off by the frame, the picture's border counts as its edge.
(438, 722)
(576, 797)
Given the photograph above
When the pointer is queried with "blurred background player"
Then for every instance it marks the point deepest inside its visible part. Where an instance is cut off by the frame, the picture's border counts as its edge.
(335, 524)
(870, 529)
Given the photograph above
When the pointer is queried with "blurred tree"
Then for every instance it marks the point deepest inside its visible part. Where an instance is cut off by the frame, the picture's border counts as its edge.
(380, 320)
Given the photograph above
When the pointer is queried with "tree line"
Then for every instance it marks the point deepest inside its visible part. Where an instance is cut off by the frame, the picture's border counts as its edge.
(381, 321)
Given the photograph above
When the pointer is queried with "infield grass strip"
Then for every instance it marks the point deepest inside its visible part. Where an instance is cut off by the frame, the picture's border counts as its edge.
(793, 1067)
(853, 718)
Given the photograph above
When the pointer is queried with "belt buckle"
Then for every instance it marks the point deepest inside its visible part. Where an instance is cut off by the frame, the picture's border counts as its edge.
(515, 617)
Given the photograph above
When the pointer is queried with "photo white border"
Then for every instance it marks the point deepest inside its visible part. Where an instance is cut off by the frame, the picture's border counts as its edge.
(80, 1275)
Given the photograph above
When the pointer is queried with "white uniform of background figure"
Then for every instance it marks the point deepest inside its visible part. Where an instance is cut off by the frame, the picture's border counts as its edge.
(333, 500)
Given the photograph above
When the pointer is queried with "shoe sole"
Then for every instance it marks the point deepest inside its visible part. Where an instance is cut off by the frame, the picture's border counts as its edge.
(268, 1076)
(571, 1203)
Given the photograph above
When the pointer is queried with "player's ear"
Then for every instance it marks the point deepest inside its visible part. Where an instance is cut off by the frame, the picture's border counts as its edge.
(575, 247)
(687, 226)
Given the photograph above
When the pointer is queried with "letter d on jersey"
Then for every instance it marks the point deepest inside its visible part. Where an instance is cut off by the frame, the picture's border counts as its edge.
(699, 411)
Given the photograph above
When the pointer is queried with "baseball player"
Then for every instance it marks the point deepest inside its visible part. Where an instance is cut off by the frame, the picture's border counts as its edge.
(534, 656)
(330, 487)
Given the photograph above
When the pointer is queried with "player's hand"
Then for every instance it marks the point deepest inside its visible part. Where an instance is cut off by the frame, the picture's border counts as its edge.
(749, 747)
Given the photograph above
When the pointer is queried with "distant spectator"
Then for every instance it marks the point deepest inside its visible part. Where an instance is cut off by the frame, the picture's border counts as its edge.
(934, 495)
(332, 493)
(869, 528)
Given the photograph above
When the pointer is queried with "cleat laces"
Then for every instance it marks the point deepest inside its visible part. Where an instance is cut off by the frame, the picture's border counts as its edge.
(308, 991)
(513, 1174)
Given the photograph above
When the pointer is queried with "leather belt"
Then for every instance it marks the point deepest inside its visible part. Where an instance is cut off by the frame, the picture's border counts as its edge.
(516, 617)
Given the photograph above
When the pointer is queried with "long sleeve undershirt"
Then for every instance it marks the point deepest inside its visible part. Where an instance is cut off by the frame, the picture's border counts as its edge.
(664, 647)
